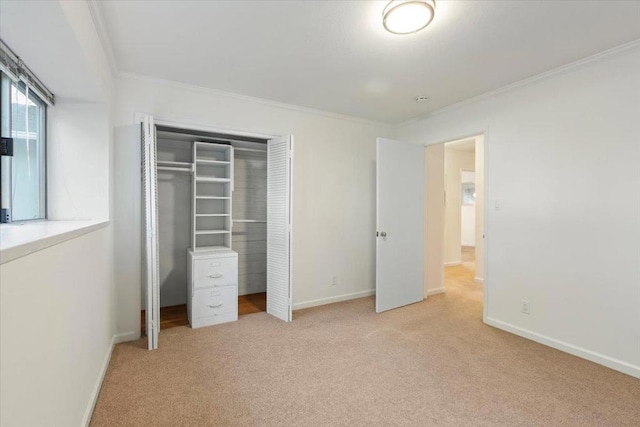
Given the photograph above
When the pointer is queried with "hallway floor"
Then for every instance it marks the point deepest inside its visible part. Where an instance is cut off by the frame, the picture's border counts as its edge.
(459, 280)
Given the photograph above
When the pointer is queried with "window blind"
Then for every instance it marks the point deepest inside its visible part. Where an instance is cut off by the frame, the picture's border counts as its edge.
(16, 70)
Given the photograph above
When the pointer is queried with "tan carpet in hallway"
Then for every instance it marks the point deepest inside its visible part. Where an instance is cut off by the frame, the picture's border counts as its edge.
(460, 280)
(429, 364)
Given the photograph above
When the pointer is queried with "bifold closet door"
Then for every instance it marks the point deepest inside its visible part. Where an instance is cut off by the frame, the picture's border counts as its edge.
(151, 275)
(279, 168)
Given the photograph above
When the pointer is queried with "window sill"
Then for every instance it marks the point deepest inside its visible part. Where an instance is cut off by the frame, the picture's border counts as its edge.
(21, 239)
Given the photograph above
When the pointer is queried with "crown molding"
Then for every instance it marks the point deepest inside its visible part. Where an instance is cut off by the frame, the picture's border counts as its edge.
(103, 35)
(200, 89)
(527, 81)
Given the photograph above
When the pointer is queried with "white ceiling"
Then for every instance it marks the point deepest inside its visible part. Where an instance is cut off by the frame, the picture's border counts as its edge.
(336, 56)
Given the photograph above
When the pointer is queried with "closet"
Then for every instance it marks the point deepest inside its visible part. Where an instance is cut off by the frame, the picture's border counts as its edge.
(217, 235)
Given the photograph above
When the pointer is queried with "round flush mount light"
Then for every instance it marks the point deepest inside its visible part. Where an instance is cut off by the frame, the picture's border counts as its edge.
(421, 99)
(408, 16)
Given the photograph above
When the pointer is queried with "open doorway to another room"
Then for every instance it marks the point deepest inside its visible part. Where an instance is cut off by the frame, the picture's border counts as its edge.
(454, 232)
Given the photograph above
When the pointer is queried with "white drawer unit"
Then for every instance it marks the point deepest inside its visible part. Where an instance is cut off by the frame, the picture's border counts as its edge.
(212, 295)
(209, 272)
(214, 301)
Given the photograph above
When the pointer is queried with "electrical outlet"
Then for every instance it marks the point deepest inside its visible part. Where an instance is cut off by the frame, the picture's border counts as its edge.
(525, 307)
(334, 280)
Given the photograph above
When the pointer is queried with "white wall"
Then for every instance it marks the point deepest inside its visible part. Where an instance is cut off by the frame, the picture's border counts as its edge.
(58, 305)
(78, 154)
(333, 184)
(127, 237)
(468, 215)
(454, 162)
(562, 156)
(56, 326)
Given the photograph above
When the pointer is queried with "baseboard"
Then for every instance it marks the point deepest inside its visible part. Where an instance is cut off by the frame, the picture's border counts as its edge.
(452, 263)
(98, 385)
(330, 300)
(479, 279)
(592, 356)
(435, 291)
(124, 337)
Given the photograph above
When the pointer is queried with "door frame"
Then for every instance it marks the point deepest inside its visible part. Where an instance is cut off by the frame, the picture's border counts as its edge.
(164, 121)
(485, 210)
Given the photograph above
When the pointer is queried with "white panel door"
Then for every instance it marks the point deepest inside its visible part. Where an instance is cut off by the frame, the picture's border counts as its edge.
(400, 224)
(279, 173)
(150, 202)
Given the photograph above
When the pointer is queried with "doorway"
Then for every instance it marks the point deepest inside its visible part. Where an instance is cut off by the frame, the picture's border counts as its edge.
(454, 227)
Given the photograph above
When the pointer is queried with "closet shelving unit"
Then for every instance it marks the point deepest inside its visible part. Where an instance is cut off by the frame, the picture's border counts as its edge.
(212, 193)
(209, 211)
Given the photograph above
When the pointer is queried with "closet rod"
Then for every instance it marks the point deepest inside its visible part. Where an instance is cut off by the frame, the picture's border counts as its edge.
(249, 220)
(254, 150)
(170, 169)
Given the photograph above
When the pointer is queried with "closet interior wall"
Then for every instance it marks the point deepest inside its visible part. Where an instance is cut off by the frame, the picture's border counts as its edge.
(250, 218)
(174, 220)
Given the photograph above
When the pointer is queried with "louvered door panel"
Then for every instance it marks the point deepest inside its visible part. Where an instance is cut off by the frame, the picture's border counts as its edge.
(150, 194)
(279, 228)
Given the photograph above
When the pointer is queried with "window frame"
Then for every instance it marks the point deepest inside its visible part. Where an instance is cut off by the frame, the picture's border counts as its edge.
(6, 165)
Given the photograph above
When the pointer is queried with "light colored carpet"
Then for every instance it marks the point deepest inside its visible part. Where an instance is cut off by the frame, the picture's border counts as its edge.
(429, 364)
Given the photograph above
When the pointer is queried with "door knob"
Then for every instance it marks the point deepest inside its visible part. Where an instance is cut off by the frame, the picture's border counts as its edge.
(383, 234)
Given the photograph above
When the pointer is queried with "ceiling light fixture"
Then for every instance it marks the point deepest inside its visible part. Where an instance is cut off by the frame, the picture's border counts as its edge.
(408, 16)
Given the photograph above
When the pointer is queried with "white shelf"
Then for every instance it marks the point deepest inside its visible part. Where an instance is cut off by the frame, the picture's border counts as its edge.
(203, 232)
(206, 179)
(213, 168)
(211, 248)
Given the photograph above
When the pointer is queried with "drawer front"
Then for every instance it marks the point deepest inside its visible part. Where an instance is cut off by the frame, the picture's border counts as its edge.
(215, 272)
(213, 302)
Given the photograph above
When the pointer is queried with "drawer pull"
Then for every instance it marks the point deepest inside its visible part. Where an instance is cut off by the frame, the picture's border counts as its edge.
(214, 305)
(215, 276)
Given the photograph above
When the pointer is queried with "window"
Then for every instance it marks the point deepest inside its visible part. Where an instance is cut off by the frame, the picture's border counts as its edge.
(23, 118)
